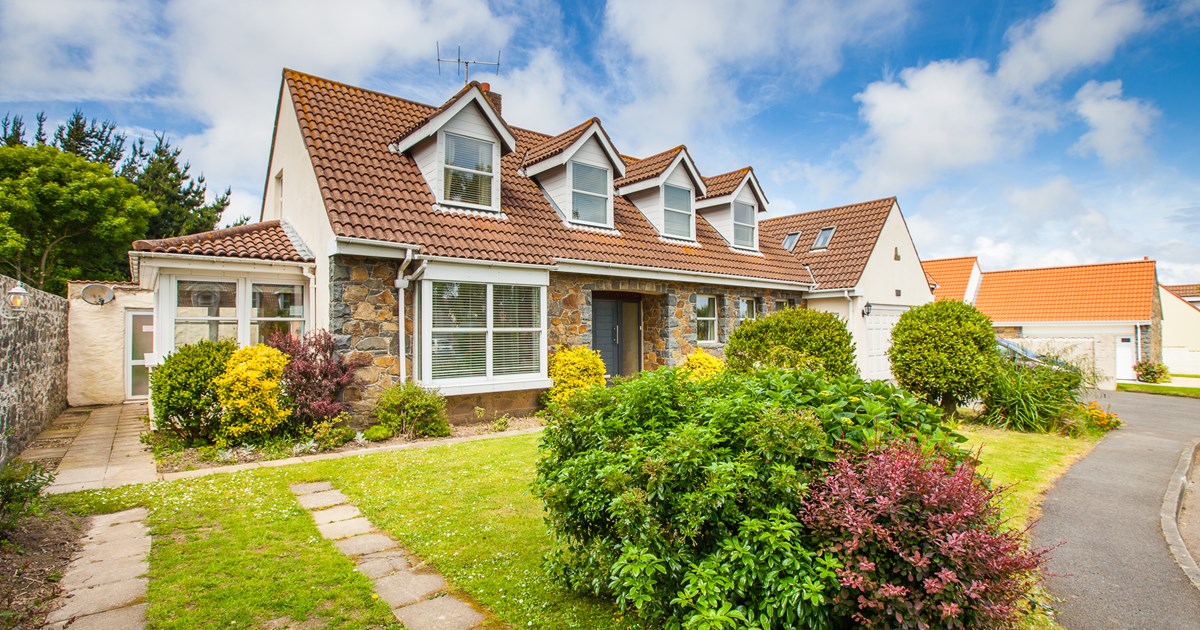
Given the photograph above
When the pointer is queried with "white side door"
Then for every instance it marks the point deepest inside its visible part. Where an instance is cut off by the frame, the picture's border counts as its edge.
(1125, 359)
(139, 341)
(878, 327)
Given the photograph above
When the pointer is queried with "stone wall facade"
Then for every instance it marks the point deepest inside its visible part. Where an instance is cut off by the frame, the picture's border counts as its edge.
(365, 323)
(33, 374)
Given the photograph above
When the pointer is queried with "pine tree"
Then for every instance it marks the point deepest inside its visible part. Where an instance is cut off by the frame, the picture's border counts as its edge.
(12, 131)
(180, 199)
(95, 142)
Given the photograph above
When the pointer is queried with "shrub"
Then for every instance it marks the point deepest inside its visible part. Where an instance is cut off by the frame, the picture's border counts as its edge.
(315, 375)
(678, 498)
(809, 333)
(21, 485)
(182, 393)
(1097, 419)
(1150, 372)
(702, 365)
(920, 543)
(572, 370)
(250, 393)
(377, 433)
(785, 357)
(944, 352)
(330, 433)
(1031, 398)
(413, 410)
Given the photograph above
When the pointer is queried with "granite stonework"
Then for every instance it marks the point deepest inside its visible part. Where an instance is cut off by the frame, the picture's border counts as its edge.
(364, 321)
(33, 374)
(1151, 334)
(516, 404)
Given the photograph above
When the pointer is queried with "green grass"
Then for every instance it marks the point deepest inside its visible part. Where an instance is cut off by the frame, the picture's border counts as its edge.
(236, 550)
(1164, 390)
(1186, 375)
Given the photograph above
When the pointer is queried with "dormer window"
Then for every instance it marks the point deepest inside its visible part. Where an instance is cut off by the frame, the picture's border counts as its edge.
(823, 238)
(745, 227)
(468, 171)
(591, 200)
(789, 241)
(678, 220)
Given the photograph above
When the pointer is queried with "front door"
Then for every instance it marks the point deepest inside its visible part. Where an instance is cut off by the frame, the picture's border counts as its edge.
(1125, 359)
(139, 341)
(616, 335)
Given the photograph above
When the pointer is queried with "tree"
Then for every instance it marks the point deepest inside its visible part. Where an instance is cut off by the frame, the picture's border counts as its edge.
(74, 218)
(180, 199)
(801, 333)
(945, 352)
(12, 131)
(95, 142)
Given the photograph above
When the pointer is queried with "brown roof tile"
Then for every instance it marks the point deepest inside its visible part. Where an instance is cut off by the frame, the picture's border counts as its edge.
(952, 276)
(264, 241)
(725, 183)
(373, 193)
(559, 143)
(647, 168)
(1104, 292)
(840, 265)
(1184, 290)
(414, 125)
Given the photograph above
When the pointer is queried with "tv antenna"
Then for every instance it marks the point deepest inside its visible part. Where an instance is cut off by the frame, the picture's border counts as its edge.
(465, 63)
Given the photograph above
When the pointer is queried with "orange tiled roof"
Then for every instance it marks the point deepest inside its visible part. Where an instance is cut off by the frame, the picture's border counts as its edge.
(372, 193)
(415, 124)
(725, 183)
(1103, 292)
(559, 143)
(1184, 290)
(840, 265)
(647, 168)
(264, 241)
(951, 275)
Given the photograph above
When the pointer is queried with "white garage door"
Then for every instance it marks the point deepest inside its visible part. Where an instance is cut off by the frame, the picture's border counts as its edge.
(879, 337)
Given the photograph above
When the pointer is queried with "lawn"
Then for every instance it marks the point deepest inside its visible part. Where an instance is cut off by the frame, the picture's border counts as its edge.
(236, 550)
(1163, 390)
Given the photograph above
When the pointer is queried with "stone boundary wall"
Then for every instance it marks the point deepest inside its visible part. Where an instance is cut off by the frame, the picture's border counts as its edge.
(33, 373)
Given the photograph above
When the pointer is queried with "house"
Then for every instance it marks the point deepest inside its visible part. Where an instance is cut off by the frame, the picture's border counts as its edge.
(864, 269)
(954, 278)
(450, 248)
(1109, 315)
(1181, 327)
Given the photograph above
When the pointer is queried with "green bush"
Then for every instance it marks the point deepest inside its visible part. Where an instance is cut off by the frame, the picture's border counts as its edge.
(377, 433)
(679, 498)
(944, 352)
(805, 333)
(573, 369)
(251, 395)
(407, 408)
(1031, 398)
(1151, 372)
(182, 392)
(21, 485)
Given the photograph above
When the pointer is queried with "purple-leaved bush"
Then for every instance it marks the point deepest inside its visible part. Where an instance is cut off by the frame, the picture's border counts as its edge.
(921, 543)
(315, 375)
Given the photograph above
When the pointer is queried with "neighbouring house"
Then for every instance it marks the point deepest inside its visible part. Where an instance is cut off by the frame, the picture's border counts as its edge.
(454, 250)
(954, 278)
(1108, 315)
(1181, 328)
(109, 338)
(864, 269)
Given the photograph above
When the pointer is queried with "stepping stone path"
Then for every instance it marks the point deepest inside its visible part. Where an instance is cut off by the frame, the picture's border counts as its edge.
(106, 581)
(416, 594)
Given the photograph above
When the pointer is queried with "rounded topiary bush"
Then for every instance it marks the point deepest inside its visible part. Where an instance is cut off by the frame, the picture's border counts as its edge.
(572, 370)
(409, 409)
(182, 393)
(702, 365)
(944, 352)
(250, 391)
(806, 335)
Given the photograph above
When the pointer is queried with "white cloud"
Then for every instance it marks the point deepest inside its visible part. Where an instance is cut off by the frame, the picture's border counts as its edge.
(1119, 126)
(542, 95)
(1055, 200)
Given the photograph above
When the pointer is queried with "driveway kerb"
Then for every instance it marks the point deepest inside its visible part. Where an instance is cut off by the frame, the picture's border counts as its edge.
(1169, 515)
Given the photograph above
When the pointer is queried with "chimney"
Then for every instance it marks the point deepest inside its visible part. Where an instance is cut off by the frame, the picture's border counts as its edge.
(493, 97)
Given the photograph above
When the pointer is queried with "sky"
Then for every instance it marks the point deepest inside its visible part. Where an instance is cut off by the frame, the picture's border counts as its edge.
(1027, 133)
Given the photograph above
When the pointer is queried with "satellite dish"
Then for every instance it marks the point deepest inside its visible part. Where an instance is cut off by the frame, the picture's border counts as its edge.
(98, 294)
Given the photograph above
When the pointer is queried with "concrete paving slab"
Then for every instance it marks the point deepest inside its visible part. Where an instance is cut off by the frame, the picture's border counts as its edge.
(311, 488)
(115, 550)
(376, 566)
(94, 600)
(322, 499)
(120, 532)
(124, 516)
(439, 613)
(88, 574)
(364, 543)
(405, 587)
(124, 618)
(345, 529)
(336, 513)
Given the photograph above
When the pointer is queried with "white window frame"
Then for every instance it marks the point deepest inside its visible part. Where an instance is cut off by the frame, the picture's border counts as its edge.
(794, 237)
(715, 319)
(608, 198)
(442, 166)
(131, 362)
(691, 213)
(823, 231)
(752, 308)
(753, 225)
(242, 306)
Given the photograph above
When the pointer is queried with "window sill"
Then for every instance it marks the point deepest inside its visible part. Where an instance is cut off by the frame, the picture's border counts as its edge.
(463, 205)
(486, 387)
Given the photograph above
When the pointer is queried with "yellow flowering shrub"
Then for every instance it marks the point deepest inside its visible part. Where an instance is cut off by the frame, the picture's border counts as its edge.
(249, 392)
(702, 366)
(573, 369)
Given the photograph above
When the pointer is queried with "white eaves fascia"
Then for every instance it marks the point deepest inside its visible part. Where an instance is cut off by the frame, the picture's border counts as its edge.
(431, 126)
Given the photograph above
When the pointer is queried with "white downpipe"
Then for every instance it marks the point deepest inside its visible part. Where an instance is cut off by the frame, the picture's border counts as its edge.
(849, 308)
(1137, 333)
(402, 284)
(310, 273)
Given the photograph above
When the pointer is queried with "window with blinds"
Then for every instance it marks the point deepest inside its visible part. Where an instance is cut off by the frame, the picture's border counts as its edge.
(744, 226)
(589, 194)
(468, 170)
(485, 330)
(677, 211)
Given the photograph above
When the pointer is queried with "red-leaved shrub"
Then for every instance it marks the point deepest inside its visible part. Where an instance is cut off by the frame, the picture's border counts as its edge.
(315, 375)
(921, 543)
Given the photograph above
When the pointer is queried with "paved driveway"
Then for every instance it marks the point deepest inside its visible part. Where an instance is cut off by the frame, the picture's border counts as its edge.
(1114, 569)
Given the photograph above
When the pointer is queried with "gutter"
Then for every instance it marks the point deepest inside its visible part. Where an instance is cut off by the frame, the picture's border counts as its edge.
(565, 265)
(402, 284)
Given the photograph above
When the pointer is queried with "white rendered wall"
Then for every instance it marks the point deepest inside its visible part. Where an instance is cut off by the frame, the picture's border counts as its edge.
(96, 345)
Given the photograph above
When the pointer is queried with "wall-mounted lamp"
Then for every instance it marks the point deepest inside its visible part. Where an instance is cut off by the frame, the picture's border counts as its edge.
(15, 302)
(867, 310)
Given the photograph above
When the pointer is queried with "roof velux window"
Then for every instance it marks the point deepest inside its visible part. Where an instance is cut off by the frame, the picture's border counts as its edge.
(677, 211)
(589, 194)
(468, 170)
(789, 241)
(823, 238)
(744, 226)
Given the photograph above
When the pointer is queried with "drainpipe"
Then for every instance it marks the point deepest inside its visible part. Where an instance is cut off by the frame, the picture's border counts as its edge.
(849, 307)
(310, 273)
(401, 285)
(1137, 332)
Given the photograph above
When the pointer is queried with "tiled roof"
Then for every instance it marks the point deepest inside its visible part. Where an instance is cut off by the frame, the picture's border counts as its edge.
(373, 193)
(725, 183)
(559, 143)
(840, 265)
(413, 125)
(647, 168)
(1104, 292)
(1184, 290)
(951, 275)
(264, 241)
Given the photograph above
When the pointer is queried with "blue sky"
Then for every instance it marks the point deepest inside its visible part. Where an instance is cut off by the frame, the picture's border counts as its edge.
(1028, 133)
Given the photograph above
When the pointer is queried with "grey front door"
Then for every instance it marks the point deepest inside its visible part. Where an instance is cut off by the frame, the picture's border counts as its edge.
(616, 335)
